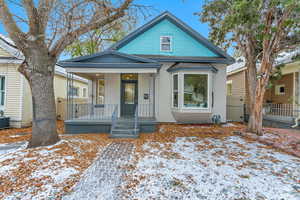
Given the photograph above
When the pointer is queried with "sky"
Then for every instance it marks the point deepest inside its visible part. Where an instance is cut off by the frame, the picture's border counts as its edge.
(182, 9)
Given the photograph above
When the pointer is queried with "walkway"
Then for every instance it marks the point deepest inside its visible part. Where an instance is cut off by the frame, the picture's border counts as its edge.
(102, 179)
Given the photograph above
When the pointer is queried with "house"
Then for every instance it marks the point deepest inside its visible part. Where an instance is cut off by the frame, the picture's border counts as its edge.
(282, 96)
(15, 95)
(162, 72)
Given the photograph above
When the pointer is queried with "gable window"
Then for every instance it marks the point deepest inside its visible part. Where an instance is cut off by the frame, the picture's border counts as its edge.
(165, 43)
(280, 89)
(195, 91)
(2, 90)
(175, 90)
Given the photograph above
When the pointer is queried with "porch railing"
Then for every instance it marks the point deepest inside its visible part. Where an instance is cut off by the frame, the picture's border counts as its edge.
(145, 110)
(114, 118)
(282, 110)
(136, 118)
(91, 111)
(84, 111)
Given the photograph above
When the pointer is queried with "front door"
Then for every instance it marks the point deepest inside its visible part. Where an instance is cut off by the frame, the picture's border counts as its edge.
(129, 97)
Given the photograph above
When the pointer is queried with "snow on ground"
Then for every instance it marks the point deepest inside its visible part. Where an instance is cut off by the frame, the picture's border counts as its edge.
(44, 172)
(211, 168)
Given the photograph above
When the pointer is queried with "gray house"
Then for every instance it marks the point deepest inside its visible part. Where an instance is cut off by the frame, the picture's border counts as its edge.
(163, 72)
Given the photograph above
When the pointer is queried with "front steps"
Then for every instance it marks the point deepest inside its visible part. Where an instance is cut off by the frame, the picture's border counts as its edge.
(124, 128)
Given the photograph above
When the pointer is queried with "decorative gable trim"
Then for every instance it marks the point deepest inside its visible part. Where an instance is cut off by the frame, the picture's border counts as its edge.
(181, 25)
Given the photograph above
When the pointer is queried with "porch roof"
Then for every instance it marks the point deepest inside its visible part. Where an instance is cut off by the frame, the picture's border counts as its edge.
(191, 66)
(109, 61)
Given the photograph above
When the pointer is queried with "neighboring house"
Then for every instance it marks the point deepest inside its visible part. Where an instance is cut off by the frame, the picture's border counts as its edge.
(15, 95)
(163, 72)
(283, 96)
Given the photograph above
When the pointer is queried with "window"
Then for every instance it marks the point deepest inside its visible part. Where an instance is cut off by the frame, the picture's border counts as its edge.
(84, 92)
(195, 91)
(2, 90)
(229, 88)
(165, 43)
(280, 89)
(175, 90)
(100, 91)
(74, 91)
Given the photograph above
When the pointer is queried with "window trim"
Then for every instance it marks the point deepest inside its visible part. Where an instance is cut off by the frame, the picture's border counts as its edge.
(161, 43)
(78, 91)
(208, 91)
(84, 96)
(2, 107)
(177, 91)
(277, 90)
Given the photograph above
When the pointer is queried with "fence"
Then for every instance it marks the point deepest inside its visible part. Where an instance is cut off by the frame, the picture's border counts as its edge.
(61, 106)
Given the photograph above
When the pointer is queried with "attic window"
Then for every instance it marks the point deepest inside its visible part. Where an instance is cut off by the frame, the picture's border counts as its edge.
(165, 43)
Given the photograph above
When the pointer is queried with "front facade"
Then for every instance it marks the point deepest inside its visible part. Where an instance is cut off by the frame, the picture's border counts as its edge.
(162, 72)
(15, 96)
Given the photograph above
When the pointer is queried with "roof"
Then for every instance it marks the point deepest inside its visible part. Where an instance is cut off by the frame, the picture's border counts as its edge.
(185, 59)
(191, 66)
(180, 24)
(284, 57)
(109, 59)
(17, 57)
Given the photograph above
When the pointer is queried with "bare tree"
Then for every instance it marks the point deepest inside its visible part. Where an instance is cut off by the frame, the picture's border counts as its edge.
(41, 32)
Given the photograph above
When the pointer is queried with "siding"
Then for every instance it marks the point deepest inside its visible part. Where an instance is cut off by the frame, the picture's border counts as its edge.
(12, 107)
(182, 43)
(286, 80)
(4, 53)
(238, 84)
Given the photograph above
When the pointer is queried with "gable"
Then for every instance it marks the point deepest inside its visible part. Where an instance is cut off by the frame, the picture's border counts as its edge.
(183, 44)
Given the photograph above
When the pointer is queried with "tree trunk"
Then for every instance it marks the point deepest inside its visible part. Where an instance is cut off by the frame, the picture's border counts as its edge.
(256, 90)
(39, 71)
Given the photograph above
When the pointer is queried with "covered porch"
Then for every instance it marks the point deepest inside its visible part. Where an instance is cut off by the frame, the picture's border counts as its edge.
(121, 94)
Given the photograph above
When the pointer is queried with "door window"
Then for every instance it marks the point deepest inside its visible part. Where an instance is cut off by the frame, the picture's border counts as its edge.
(129, 93)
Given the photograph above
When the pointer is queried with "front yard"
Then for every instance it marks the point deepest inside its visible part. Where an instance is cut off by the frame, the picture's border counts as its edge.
(176, 162)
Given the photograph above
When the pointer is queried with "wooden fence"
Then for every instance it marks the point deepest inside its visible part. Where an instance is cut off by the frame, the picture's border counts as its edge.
(61, 106)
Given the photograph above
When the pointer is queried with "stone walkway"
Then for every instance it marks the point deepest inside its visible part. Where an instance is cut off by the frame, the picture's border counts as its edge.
(102, 179)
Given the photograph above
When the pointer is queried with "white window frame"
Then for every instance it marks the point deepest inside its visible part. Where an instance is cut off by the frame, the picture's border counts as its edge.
(2, 107)
(161, 43)
(86, 92)
(277, 89)
(208, 91)
(177, 90)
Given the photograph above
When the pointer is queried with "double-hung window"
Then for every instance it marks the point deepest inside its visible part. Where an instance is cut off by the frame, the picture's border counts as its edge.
(195, 91)
(73, 91)
(165, 43)
(175, 90)
(2, 91)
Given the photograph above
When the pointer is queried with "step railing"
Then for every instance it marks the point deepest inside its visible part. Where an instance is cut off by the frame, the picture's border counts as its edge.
(136, 118)
(114, 118)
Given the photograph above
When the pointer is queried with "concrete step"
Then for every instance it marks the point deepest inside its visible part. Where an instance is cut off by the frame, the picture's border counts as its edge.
(124, 136)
